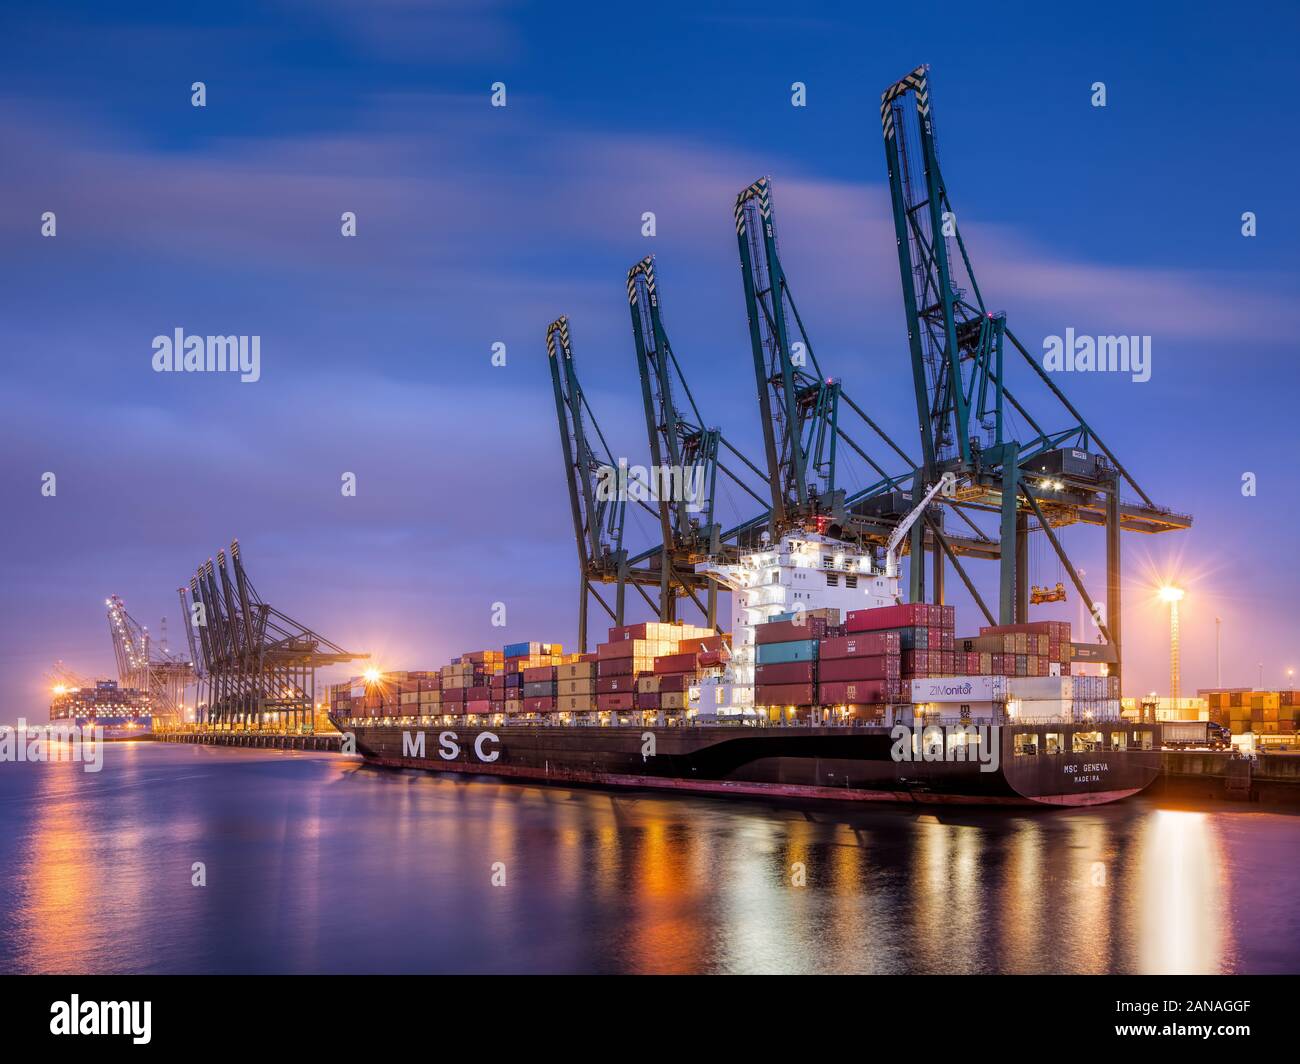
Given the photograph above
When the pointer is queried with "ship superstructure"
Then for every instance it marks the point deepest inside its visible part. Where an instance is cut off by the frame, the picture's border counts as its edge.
(797, 574)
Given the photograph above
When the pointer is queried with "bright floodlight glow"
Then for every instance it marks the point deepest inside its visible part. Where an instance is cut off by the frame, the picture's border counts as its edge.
(1169, 593)
(59, 689)
(372, 675)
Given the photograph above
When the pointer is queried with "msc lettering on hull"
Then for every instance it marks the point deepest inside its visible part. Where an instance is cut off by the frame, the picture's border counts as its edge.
(413, 745)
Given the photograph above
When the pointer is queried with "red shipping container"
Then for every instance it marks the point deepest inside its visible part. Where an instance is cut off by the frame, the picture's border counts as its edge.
(539, 705)
(674, 682)
(870, 644)
(478, 705)
(539, 673)
(918, 662)
(614, 667)
(850, 692)
(610, 685)
(884, 666)
(646, 700)
(619, 703)
(785, 694)
(605, 651)
(911, 613)
(675, 663)
(715, 644)
(790, 631)
(628, 631)
(478, 694)
(785, 672)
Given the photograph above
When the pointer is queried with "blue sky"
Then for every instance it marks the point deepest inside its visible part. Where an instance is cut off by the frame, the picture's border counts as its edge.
(479, 225)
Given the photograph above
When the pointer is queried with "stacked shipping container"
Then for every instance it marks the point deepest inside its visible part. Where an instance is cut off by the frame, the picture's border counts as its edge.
(802, 660)
(1265, 713)
(630, 655)
(1029, 649)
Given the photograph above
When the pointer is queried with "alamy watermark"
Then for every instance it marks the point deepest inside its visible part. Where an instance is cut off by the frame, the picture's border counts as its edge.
(657, 483)
(1098, 354)
(179, 353)
(114, 1018)
(52, 742)
(953, 742)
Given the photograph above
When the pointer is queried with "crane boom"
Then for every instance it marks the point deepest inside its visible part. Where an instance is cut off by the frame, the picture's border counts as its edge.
(896, 537)
(798, 409)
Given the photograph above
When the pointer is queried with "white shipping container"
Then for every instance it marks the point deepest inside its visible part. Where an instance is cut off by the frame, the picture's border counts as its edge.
(959, 689)
(952, 712)
(1042, 709)
(1037, 688)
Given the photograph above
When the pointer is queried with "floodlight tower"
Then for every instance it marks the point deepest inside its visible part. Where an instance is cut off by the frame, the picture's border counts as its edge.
(1173, 595)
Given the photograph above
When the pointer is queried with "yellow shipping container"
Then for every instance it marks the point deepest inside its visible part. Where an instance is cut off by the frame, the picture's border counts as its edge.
(577, 670)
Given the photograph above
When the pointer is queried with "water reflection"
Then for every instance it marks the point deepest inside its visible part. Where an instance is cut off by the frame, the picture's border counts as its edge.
(317, 864)
(1182, 894)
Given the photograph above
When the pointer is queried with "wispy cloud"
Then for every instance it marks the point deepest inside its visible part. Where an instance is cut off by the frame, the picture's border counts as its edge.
(446, 188)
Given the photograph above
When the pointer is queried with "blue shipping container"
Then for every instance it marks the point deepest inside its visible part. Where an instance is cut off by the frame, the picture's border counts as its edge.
(520, 650)
(780, 653)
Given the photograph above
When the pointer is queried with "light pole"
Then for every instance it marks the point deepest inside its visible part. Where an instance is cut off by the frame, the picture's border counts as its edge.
(1173, 596)
(1218, 657)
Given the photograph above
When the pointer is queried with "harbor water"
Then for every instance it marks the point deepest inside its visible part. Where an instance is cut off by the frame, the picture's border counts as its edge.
(199, 859)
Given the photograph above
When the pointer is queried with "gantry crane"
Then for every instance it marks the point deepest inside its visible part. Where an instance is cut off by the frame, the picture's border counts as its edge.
(258, 664)
(684, 452)
(598, 498)
(62, 679)
(960, 369)
(142, 666)
(803, 411)
(799, 410)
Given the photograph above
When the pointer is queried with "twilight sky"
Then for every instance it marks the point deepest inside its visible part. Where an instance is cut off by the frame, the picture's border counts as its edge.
(480, 224)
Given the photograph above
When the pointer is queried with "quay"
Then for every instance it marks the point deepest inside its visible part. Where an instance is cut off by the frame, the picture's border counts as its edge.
(1218, 776)
(330, 741)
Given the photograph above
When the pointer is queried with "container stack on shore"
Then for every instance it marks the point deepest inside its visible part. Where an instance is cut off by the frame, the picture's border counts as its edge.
(1262, 713)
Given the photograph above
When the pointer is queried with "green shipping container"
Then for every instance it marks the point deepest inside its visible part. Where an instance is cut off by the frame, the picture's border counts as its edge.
(780, 653)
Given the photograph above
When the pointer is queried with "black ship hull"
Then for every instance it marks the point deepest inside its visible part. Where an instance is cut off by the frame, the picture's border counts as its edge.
(836, 763)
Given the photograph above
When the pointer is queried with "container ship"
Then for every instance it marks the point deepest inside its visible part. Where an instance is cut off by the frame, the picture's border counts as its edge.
(827, 687)
(122, 712)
